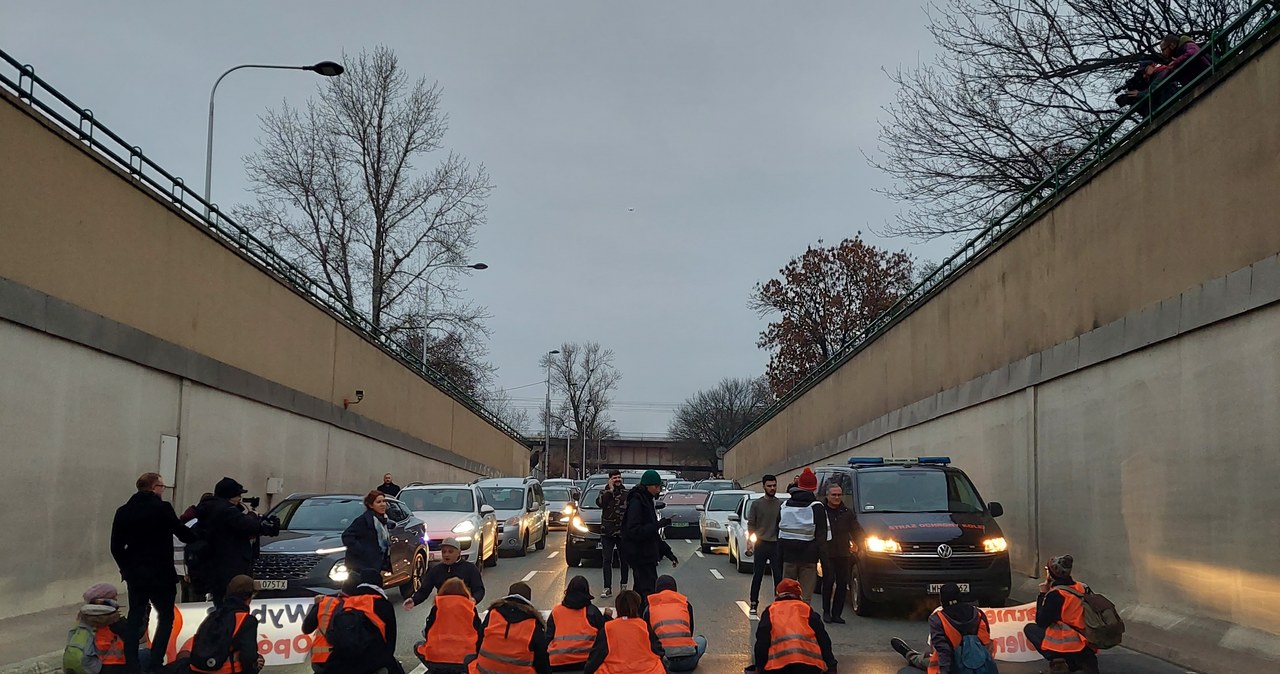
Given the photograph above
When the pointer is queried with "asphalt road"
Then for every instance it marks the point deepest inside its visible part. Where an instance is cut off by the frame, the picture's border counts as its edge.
(719, 594)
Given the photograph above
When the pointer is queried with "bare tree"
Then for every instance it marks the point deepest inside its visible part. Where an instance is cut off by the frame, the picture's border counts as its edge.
(499, 402)
(584, 379)
(1018, 86)
(340, 189)
(714, 417)
(824, 299)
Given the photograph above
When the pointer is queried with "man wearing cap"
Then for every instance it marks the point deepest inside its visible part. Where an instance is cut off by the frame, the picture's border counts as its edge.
(948, 625)
(451, 565)
(802, 531)
(232, 534)
(1058, 632)
(642, 544)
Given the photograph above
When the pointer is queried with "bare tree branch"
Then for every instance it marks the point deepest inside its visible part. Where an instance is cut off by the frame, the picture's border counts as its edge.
(714, 417)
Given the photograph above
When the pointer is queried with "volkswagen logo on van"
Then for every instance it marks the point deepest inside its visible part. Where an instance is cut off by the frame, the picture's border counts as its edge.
(944, 551)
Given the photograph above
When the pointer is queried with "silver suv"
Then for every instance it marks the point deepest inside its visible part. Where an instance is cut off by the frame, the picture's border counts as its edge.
(521, 510)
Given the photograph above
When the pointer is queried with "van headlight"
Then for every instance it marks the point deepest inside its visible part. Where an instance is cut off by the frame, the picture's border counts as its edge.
(877, 544)
(464, 527)
(339, 573)
(994, 545)
(751, 537)
(578, 524)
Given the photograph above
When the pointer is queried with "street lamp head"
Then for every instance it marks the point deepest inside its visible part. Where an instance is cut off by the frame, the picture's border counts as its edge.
(326, 68)
(552, 353)
(479, 265)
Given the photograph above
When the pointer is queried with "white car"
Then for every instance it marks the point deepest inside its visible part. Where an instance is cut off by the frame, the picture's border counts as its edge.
(455, 511)
(739, 538)
(714, 522)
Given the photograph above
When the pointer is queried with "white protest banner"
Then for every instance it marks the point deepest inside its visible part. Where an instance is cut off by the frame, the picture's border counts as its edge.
(1010, 643)
(280, 637)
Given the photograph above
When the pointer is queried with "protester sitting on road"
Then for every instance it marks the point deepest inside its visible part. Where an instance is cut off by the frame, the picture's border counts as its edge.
(388, 487)
(368, 538)
(1179, 50)
(949, 624)
(452, 632)
(791, 638)
(513, 639)
(1058, 632)
(802, 531)
(626, 645)
(670, 616)
(317, 622)
(227, 639)
(96, 643)
(572, 627)
(362, 609)
(451, 566)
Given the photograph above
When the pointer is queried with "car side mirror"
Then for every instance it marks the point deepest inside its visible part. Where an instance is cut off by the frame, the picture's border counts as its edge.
(995, 508)
(733, 517)
(486, 509)
(700, 508)
(659, 505)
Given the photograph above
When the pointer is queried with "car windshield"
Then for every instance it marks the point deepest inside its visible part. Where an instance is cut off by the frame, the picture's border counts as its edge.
(916, 491)
(504, 498)
(685, 498)
(319, 514)
(556, 494)
(588, 501)
(679, 485)
(725, 501)
(439, 500)
(716, 485)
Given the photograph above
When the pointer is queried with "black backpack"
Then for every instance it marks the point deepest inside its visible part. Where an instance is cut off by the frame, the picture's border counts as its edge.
(211, 646)
(198, 554)
(352, 635)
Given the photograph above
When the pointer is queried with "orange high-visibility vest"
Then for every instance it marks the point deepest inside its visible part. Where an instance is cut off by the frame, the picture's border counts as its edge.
(110, 647)
(954, 637)
(791, 638)
(453, 633)
(320, 648)
(669, 617)
(505, 647)
(630, 651)
(574, 636)
(1065, 635)
(232, 664)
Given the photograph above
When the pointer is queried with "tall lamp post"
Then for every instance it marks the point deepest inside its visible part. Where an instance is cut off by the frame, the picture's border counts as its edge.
(546, 427)
(325, 68)
(426, 306)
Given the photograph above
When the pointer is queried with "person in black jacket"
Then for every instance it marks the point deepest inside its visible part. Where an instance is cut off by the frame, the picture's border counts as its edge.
(577, 595)
(612, 501)
(642, 546)
(388, 487)
(368, 583)
(244, 641)
(451, 566)
(142, 545)
(232, 532)
(837, 554)
(368, 538)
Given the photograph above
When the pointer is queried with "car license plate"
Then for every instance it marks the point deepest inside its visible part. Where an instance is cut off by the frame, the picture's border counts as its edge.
(935, 588)
(679, 524)
(273, 585)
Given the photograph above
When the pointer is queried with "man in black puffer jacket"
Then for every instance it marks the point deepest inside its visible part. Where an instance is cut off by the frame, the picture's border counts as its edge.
(232, 532)
(642, 545)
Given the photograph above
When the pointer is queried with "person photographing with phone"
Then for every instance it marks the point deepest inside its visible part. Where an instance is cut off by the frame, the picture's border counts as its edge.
(642, 544)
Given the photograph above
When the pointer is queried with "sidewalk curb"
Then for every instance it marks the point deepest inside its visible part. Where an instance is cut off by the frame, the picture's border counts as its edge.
(49, 663)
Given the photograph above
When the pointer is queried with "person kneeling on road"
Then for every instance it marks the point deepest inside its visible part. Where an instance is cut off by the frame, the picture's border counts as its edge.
(791, 638)
(451, 566)
(227, 641)
(513, 639)
(356, 629)
(572, 627)
(96, 643)
(670, 616)
(626, 645)
(949, 624)
(452, 632)
(1058, 632)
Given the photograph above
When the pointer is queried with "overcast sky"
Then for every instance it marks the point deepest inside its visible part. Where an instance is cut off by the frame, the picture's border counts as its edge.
(734, 129)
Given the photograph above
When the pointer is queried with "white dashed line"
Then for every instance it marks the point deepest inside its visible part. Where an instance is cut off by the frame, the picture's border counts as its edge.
(699, 553)
(529, 577)
(717, 574)
(746, 608)
(553, 555)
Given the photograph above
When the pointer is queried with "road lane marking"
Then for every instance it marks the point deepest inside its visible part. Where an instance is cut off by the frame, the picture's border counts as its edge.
(717, 574)
(553, 555)
(529, 577)
(746, 608)
(699, 553)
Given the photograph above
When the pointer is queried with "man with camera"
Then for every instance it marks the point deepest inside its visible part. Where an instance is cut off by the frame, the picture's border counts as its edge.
(227, 531)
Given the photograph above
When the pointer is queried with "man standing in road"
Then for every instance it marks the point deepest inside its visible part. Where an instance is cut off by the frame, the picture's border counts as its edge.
(451, 566)
(142, 545)
(642, 544)
(388, 487)
(837, 554)
(802, 528)
(232, 534)
(612, 501)
(762, 539)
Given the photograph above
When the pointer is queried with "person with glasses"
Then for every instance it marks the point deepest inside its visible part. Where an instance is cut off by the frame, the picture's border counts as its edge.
(142, 545)
(837, 554)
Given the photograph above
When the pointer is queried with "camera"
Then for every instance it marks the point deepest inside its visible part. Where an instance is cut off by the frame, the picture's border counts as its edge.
(252, 501)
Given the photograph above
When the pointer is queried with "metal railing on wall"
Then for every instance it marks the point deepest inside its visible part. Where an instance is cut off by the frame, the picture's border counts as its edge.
(150, 176)
(1221, 51)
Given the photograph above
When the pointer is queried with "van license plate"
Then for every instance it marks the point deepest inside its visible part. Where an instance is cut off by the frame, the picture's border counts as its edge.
(273, 585)
(935, 588)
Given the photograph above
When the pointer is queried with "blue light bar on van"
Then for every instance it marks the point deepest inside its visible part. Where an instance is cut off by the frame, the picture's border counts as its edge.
(866, 461)
(936, 460)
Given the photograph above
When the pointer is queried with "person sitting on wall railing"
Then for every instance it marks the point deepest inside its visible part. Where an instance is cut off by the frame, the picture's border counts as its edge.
(1133, 88)
(1179, 50)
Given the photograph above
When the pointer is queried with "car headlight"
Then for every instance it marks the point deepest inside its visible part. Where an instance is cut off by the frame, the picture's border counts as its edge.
(997, 544)
(513, 521)
(566, 510)
(713, 524)
(465, 527)
(339, 573)
(578, 524)
(877, 544)
(751, 537)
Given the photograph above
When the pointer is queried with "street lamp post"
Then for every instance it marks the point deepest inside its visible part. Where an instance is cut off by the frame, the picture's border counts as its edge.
(546, 427)
(426, 304)
(325, 68)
